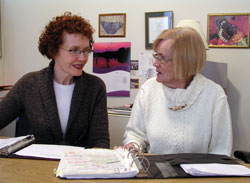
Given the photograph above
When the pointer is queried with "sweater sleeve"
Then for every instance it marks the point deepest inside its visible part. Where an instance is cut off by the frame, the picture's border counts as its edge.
(135, 129)
(11, 106)
(99, 130)
(221, 140)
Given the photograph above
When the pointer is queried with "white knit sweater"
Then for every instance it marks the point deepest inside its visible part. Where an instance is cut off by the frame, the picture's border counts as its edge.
(203, 126)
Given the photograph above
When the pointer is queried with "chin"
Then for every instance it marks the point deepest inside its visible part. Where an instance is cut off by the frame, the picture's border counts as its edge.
(77, 73)
(158, 80)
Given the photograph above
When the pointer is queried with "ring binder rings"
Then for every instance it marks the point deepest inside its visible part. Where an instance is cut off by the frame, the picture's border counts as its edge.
(10, 145)
(170, 165)
(139, 159)
(102, 163)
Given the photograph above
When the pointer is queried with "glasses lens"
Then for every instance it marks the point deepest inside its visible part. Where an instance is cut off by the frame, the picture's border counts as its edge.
(155, 55)
(158, 57)
(87, 52)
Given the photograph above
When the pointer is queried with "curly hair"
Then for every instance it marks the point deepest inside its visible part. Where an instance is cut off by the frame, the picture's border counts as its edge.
(51, 38)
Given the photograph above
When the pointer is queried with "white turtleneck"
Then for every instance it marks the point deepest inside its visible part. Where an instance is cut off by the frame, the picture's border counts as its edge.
(202, 126)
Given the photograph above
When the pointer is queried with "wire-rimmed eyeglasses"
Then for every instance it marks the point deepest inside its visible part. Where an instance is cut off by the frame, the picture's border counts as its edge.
(160, 58)
(77, 52)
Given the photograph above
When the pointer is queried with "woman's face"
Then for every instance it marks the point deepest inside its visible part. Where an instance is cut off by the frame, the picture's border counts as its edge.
(165, 70)
(71, 57)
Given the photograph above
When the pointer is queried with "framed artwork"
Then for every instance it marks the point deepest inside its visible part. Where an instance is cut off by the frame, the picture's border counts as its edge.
(155, 23)
(228, 30)
(111, 62)
(134, 65)
(134, 83)
(112, 25)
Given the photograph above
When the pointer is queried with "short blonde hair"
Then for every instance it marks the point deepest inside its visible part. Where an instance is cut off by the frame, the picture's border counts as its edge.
(188, 50)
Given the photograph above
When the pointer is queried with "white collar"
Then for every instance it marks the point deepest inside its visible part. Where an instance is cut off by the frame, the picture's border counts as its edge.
(181, 99)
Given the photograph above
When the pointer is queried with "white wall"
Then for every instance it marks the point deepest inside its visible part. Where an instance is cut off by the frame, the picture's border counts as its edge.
(1, 72)
(23, 21)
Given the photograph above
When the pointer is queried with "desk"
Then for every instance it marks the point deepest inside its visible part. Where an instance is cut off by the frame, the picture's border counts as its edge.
(41, 171)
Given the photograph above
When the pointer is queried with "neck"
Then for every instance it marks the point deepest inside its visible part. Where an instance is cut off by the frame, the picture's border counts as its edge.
(62, 79)
(180, 83)
(65, 81)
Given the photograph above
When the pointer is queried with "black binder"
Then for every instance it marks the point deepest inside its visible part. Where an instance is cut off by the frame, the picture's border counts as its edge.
(168, 165)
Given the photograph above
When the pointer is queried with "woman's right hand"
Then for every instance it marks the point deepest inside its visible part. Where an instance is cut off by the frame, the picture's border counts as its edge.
(128, 147)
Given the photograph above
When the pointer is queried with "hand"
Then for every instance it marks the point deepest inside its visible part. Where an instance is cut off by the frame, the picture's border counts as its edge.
(131, 146)
(128, 147)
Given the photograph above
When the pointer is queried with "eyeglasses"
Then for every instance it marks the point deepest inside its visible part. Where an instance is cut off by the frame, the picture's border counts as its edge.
(160, 58)
(77, 53)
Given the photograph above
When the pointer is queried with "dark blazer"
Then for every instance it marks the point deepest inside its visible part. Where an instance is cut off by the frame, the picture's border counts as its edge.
(32, 99)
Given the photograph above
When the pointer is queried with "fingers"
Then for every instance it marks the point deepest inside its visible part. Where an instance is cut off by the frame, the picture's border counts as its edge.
(130, 147)
(116, 147)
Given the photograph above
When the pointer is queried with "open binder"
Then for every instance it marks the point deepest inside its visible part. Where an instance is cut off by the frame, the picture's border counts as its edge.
(172, 166)
(121, 163)
(97, 163)
(10, 145)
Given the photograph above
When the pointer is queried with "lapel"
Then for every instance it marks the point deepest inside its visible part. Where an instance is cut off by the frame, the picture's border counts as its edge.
(45, 80)
(79, 94)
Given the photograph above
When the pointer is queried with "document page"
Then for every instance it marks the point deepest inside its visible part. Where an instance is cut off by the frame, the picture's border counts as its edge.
(45, 151)
(216, 169)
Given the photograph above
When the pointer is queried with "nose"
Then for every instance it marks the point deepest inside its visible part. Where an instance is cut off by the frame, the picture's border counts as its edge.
(82, 57)
(156, 63)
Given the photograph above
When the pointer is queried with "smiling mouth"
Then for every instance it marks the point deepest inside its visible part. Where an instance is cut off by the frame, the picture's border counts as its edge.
(78, 66)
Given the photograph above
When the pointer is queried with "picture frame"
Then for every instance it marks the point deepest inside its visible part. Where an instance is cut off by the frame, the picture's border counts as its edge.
(155, 23)
(112, 25)
(134, 83)
(134, 65)
(228, 30)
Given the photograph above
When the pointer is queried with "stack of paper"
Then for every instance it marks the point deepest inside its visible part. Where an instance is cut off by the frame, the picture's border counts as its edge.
(96, 163)
(120, 110)
(216, 169)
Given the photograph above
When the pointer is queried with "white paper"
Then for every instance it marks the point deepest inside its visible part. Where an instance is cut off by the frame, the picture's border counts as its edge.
(45, 151)
(96, 163)
(156, 26)
(216, 169)
(146, 67)
(118, 80)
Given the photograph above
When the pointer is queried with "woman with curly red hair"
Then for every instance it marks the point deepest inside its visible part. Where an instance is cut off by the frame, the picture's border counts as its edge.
(61, 104)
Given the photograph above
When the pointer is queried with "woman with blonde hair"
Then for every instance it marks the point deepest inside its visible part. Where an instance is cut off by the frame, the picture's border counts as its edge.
(180, 110)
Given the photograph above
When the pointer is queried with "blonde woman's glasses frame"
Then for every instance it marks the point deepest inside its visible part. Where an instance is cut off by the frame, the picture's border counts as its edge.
(160, 58)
